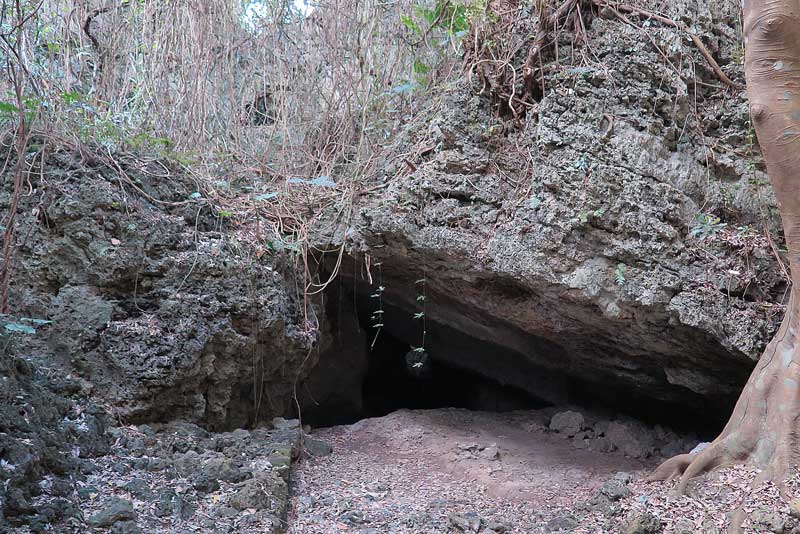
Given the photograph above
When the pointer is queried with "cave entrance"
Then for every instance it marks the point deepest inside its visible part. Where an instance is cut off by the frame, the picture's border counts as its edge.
(360, 375)
(397, 377)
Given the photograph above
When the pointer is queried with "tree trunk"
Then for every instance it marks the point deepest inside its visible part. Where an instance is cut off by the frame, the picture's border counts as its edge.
(764, 430)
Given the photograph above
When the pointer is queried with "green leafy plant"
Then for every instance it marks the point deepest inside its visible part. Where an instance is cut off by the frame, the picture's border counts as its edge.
(706, 226)
(619, 274)
(20, 325)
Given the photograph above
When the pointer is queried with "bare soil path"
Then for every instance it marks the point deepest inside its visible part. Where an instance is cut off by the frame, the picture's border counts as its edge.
(450, 470)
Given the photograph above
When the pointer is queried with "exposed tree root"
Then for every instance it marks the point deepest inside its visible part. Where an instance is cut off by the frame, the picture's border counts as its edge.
(763, 430)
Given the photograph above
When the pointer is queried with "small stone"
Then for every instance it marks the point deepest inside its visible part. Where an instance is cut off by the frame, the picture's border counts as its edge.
(227, 511)
(498, 527)
(353, 517)
(673, 448)
(794, 507)
(205, 484)
(61, 488)
(240, 434)
(467, 522)
(223, 469)
(642, 523)
(623, 438)
(316, 446)
(266, 492)
(114, 509)
(16, 501)
(490, 452)
(87, 492)
(768, 521)
(617, 488)
(165, 505)
(684, 526)
(126, 527)
(157, 464)
(121, 468)
(565, 522)
(185, 509)
(305, 503)
(602, 444)
(139, 489)
(709, 526)
(568, 423)
(279, 423)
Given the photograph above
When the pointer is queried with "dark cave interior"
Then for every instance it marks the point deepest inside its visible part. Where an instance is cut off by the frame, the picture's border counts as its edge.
(365, 375)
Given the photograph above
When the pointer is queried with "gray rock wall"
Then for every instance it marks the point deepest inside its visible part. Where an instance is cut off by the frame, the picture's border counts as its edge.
(577, 238)
(155, 302)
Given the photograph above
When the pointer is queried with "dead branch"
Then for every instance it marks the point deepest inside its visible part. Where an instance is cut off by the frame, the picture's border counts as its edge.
(87, 27)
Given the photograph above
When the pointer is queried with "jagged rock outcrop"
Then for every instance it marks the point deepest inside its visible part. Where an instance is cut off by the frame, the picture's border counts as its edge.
(48, 431)
(162, 310)
(577, 240)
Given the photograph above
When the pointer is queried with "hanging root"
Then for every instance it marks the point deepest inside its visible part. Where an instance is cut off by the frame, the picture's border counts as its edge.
(495, 53)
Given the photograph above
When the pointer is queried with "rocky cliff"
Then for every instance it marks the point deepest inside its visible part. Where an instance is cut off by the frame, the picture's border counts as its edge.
(154, 301)
(619, 239)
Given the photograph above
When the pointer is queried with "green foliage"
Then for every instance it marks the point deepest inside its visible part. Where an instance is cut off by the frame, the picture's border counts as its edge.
(409, 23)
(437, 26)
(706, 226)
(450, 17)
(8, 109)
(20, 325)
(619, 274)
(279, 245)
(596, 214)
(145, 140)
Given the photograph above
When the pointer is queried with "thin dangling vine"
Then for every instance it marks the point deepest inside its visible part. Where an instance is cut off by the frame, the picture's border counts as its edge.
(377, 315)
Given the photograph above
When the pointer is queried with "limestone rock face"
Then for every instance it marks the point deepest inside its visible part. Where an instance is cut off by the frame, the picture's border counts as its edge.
(614, 236)
(154, 302)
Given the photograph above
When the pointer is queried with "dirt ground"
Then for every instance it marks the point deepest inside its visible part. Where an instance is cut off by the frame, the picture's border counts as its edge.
(450, 470)
(454, 471)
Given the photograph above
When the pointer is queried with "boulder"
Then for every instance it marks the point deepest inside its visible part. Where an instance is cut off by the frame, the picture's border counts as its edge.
(112, 511)
(267, 492)
(642, 523)
(568, 423)
(604, 281)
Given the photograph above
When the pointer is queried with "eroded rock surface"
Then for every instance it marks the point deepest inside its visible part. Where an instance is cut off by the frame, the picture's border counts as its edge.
(49, 433)
(154, 302)
(583, 240)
